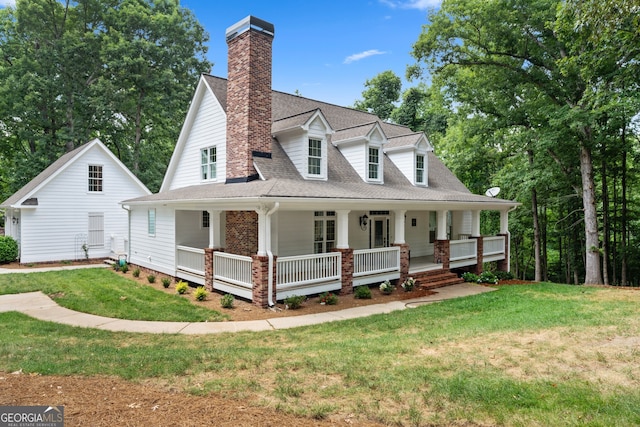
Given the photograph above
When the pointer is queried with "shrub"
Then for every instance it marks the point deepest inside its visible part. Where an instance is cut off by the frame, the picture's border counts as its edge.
(227, 301)
(151, 278)
(136, 272)
(124, 267)
(8, 249)
(386, 287)
(166, 282)
(470, 277)
(504, 275)
(362, 292)
(328, 298)
(487, 277)
(294, 301)
(408, 284)
(200, 294)
(181, 287)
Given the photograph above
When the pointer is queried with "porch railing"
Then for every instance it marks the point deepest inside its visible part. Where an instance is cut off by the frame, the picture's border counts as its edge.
(232, 274)
(463, 252)
(308, 274)
(190, 259)
(493, 248)
(371, 265)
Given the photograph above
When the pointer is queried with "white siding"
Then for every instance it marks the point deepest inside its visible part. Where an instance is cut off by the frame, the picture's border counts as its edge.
(418, 237)
(404, 160)
(296, 147)
(154, 252)
(296, 233)
(51, 230)
(357, 155)
(208, 129)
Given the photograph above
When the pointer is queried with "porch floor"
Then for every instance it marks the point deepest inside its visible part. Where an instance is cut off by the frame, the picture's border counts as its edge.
(423, 263)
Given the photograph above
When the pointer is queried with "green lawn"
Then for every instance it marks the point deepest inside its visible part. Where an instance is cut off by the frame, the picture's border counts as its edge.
(545, 355)
(103, 292)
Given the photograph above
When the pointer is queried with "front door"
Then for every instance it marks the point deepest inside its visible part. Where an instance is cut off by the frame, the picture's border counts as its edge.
(380, 232)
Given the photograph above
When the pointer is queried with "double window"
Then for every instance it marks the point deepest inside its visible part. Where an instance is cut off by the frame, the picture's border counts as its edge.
(208, 161)
(324, 231)
(95, 178)
(315, 157)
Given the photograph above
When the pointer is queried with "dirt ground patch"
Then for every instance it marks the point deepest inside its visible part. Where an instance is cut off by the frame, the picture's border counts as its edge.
(105, 401)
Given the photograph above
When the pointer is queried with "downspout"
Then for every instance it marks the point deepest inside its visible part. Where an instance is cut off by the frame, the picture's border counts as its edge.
(509, 240)
(270, 254)
(128, 248)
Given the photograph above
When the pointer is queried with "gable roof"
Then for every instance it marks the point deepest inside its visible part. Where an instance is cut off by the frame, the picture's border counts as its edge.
(281, 180)
(24, 196)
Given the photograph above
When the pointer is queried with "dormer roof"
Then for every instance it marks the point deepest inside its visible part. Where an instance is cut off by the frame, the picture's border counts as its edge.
(357, 133)
(300, 121)
(410, 141)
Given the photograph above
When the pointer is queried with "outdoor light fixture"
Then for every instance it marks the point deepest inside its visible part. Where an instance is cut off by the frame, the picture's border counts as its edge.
(15, 220)
(364, 220)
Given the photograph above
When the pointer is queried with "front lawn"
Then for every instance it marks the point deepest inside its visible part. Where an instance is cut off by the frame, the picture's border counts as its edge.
(102, 292)
(541, 355)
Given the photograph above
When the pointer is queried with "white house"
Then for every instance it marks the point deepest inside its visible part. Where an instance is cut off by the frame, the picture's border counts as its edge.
(270, 194)
(71, 209)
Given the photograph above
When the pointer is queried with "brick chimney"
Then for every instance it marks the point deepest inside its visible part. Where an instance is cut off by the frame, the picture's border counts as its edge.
(248, 97)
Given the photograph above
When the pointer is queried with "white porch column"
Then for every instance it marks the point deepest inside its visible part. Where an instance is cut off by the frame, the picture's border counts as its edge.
(504, 222)
(399, 227)
(214, 229)
(342, 224)
(475, 223)
(441, 219)
(262, 230)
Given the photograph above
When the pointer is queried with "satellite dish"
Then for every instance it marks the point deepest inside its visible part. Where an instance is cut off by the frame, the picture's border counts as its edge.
(492, 192)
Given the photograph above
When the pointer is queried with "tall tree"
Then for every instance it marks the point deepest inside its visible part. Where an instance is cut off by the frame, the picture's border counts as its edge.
(381, 94)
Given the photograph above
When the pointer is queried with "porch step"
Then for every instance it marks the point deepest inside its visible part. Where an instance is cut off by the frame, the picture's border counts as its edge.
(436, 279)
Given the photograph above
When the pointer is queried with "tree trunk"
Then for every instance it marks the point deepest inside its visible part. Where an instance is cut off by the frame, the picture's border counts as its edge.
(605, 218)
(593, 274)
(536, 227)
(624, 218)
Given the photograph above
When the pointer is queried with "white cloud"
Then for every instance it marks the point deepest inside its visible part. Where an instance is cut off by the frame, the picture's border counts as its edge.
(411, 4)
(5, 3)
(358, 56)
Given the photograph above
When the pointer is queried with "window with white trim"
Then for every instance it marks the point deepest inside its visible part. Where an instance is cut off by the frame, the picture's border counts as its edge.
(208, 163)
(151, 222)
(324, 231)
(95, 178)
(374, 163)
(315, 157)
(420, 175)
(95, 235)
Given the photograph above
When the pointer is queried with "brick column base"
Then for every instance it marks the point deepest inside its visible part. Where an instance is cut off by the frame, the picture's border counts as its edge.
(347, 270)
(477, 269)
(260, 277)
(442, 253)
(208, 267)
(404, 261)
(503, 265)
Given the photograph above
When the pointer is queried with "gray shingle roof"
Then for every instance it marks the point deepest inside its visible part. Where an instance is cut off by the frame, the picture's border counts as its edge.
(282, 179)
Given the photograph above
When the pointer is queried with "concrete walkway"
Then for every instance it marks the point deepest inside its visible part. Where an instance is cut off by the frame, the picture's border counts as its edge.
(40, 306)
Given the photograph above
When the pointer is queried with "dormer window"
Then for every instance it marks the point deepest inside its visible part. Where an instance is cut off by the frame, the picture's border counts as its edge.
(208, 168)
(374, 163)
(315, 157)
(420, 175)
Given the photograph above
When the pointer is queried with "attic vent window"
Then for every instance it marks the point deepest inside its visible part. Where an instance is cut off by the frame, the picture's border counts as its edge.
(315, 157)
(95, 178)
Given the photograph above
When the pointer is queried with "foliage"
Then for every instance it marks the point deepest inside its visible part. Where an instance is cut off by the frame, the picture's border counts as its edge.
(503, 275)
(294, 302)
(181, 287)
(166, 282)
(121, 70)
(8, 249)
(151, 278)
(382, 92)
(200, 294)
(124, 267)
(136, 272)
(362, 292)
(470, 277)
(408, 284)
(227, 301)
(487, 277)
(386, 287)
(328, 298)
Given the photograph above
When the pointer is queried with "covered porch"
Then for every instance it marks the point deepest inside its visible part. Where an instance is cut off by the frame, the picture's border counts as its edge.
(269, 271)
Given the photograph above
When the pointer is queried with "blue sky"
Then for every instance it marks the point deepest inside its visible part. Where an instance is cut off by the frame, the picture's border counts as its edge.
(325, 50)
